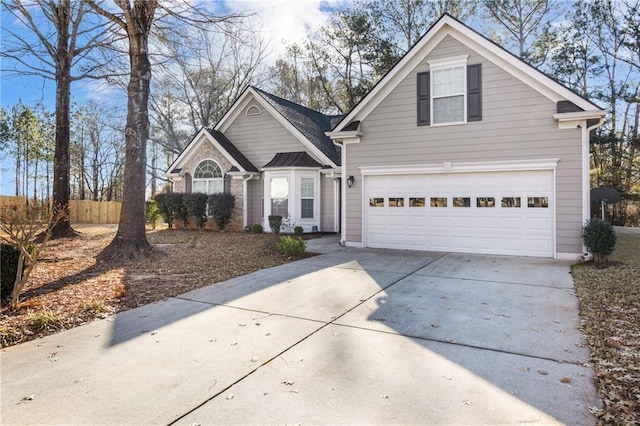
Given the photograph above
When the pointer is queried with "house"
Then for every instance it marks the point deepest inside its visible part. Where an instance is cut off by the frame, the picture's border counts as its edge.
(274, 156)
(460, 147)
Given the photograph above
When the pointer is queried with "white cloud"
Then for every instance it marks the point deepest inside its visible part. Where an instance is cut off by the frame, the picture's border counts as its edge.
(286, 20)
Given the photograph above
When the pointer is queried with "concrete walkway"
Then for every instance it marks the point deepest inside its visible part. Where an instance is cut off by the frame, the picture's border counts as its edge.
(352, 336)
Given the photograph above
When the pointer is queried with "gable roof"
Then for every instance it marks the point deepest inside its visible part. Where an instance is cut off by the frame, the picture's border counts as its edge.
(231, 149)
(238, 161)
(312, 124)
(307, 125)
(448, 25)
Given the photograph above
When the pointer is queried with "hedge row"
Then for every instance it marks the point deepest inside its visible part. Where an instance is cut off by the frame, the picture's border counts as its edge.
(182, 206)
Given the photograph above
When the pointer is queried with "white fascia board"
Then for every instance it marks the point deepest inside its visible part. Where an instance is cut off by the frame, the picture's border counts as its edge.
(280, 169)
(235, 110)
(188, 151)
(448, 26)
(242, 102)
(580, 115)
(462, 167)
(202, 136)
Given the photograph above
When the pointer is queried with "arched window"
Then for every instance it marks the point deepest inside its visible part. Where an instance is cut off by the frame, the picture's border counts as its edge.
(208, 178)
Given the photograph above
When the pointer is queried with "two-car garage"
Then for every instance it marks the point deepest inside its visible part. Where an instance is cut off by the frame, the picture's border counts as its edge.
(503, 212)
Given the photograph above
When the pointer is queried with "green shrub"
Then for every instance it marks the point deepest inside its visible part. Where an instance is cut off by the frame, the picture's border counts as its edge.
(275, 222)
(221, 208)
(298, 231)
(599, 238)
(257, 229)
(196, 207)
(171, 207)
(291, 246)
(151, 212)
(9, 260)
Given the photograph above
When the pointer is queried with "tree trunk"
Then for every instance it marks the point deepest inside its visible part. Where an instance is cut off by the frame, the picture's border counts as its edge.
(131, 240)
(61, 160)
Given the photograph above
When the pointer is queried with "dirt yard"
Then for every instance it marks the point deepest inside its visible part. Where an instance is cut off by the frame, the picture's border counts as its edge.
(67, 287)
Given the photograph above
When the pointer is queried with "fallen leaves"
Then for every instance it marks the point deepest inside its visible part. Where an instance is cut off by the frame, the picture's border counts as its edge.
(610, 311)
(68, 288)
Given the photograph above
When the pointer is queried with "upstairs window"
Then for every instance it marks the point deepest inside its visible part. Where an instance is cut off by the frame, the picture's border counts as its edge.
(450, 93)
(208, 178)
(448, 88)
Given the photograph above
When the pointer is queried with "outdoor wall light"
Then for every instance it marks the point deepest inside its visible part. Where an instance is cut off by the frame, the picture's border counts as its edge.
(350, 181)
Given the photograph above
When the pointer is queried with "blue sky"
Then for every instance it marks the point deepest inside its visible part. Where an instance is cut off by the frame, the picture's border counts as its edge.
(280, 20)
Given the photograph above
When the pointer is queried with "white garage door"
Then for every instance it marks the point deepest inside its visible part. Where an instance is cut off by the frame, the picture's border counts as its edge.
(507, 213)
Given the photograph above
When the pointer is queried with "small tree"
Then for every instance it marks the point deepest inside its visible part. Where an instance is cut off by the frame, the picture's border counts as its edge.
(21, 228)
(221, 208)
(196, 207)
(275, 222)
(599, 238)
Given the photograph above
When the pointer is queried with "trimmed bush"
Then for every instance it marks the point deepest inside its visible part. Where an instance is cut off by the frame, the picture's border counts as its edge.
(291, 246)
(221, 208)
(275, 222)
(9, 256)
(171, 207)
(599, 238)
(257, 229)
(298, 231)
(196, 207)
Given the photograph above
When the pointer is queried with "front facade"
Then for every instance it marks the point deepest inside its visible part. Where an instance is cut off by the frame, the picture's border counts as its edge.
(462, 147)
(274, 156)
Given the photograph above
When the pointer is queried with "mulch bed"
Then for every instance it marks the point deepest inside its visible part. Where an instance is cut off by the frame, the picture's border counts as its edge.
(67, 288)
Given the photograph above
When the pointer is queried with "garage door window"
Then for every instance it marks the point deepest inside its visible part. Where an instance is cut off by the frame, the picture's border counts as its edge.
(396, 202)
(438, 202)
(485, 202)
(508, 202)
(538, 202)
(416, 202)
(376, 202)
(461, 202)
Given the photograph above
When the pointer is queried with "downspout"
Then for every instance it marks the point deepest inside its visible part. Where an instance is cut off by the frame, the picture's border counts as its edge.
(586, 180)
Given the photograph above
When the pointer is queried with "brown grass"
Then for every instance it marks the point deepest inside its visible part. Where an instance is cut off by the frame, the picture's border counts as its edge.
(67, 288)
(610, 311)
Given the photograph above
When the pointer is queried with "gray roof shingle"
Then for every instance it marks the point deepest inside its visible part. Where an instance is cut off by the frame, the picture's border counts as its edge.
(312, 124)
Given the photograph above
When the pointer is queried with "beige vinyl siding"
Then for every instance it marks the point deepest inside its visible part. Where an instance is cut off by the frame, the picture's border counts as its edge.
(254, 201)
(260, 137)
(327, 205)
(517, 123)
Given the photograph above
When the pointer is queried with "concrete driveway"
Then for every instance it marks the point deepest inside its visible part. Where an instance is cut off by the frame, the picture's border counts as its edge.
(350, 337)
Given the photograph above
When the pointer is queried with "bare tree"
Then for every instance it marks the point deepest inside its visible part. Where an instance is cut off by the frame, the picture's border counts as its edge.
(136, 19)
(60, 38)
(525, 23)
(200, 75)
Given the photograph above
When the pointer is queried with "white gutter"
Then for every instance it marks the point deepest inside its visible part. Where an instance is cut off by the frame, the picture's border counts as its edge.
(586, 177)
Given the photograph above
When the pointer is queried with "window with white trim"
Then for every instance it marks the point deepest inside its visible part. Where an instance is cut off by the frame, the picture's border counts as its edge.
(307, 192)
(208, 178)
(449, 92)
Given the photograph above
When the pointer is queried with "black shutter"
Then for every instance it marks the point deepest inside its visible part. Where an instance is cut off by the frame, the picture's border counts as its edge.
(424, 113)
(227, 184)
(187, 183)
(474, 92)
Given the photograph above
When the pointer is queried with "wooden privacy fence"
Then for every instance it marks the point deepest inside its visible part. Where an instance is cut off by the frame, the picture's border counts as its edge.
(81, 211)
(10, 201)
(87, 211)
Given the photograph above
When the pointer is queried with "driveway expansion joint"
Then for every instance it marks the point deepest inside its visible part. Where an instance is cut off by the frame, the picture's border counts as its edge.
(323, 326)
